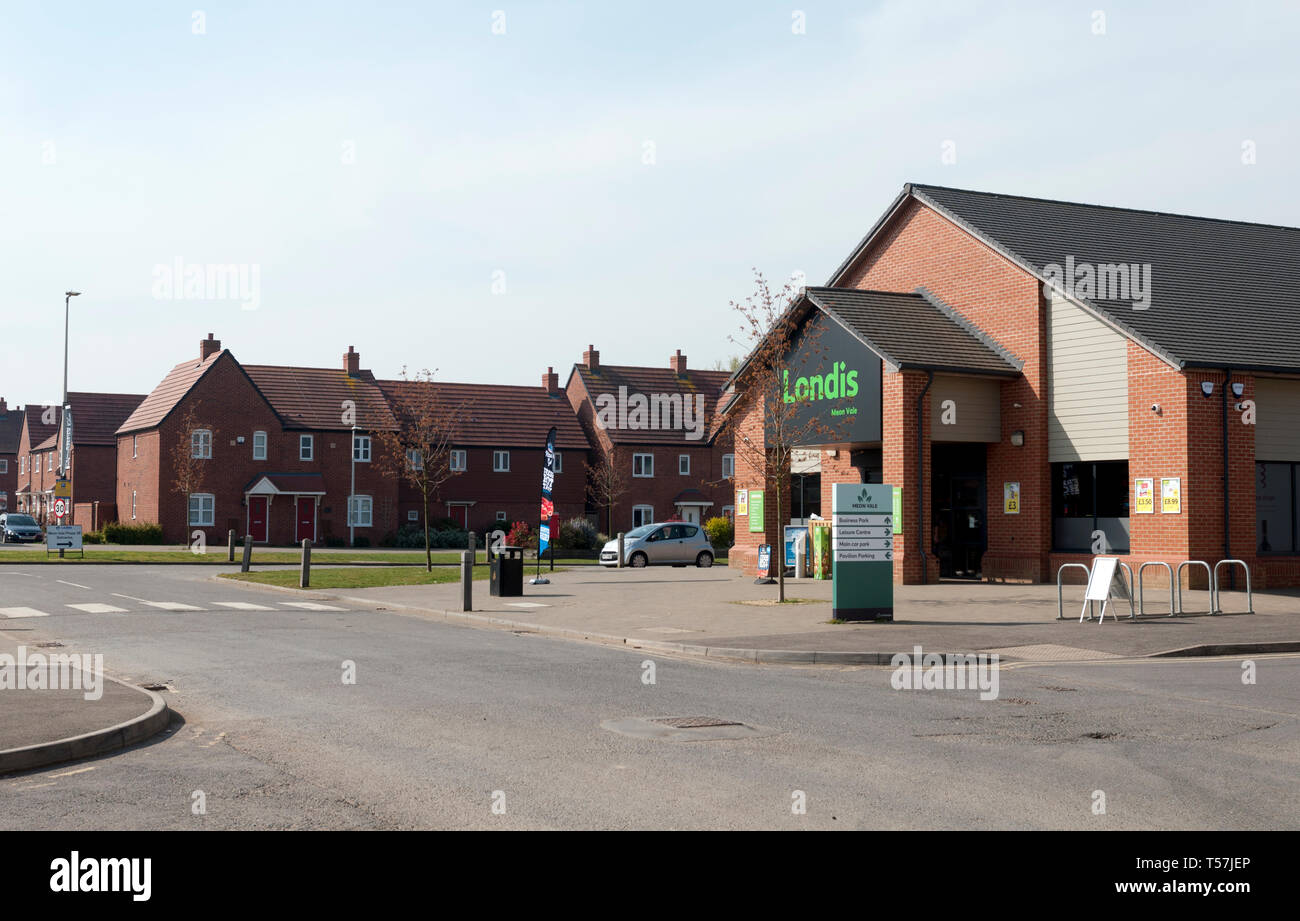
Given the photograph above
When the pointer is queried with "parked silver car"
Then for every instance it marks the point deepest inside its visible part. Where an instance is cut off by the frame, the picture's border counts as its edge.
(19, 528)
(676, 543)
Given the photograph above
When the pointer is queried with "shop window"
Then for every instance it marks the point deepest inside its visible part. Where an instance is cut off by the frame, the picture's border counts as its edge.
(1277, 507)
(1087, 497)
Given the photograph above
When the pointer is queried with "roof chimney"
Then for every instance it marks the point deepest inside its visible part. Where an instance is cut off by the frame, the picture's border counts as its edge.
(208, 347)
(352, 362)
(591, 358)
(550, 380)
(678, 363)
(4, 407)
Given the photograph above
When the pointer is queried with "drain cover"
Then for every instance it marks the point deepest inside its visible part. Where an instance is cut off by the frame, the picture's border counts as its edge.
(695, 722)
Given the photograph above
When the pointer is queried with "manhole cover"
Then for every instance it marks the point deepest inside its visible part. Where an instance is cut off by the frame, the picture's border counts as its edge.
(695, 722)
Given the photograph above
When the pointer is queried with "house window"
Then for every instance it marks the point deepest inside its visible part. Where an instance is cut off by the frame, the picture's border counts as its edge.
(458, 461)
(412, 515)
(1090, 497)
(1277, 507)
(135, 445)
(559, 462)
(361, 449)
(359, 509)
(729, 512)
(306, 447)
(642, 515)
(133, 504)
(415, 459)
(202, 510)
(728, 466)
(4, 465)
(201, 443)
(259, 446)
(49, 462)
(4, 500)
(501, 516)
(22, 465)
(500, 461)
(684, 464)
(643, 465)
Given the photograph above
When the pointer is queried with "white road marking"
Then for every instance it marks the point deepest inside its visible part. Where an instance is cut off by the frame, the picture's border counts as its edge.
(243, 606)
(73, 584)
(311, 606)
(128, 597)
(22, 612)
(70, 773)
(96, 608)
(172, 606)
(526, 604)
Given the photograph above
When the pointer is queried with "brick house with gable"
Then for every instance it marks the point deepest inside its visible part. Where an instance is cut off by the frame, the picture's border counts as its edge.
(11, 433)
(499, 454)
(675, 463)
(278, 446)
(1179, 374)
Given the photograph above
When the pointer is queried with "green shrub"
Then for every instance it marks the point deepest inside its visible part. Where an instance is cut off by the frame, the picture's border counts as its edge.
(92, 537)
(411, 537)
(721, 532)
(576, 534)
(118, 533)
(361, 541)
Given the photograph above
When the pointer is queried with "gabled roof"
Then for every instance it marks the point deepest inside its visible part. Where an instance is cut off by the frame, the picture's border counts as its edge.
(163, 398)
(313, 398)
(501, 416)
(1223, 293)
(309, 484)
(11, 430)
(96, 417)
(914, 331)
(649, 381)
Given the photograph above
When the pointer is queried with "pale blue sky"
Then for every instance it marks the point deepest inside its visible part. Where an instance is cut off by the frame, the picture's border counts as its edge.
(523, 153)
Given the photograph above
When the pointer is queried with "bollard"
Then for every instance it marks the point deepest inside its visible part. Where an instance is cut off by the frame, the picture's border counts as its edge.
(473, 545)
(620, 549)
(304, 577)
(467, 580)
(248, 553)
(230, 544)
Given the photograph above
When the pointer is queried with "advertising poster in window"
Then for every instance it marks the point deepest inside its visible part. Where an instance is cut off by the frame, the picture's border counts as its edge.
(742, 501)
(1144, 495)
(1171, 495)
(1011, 498)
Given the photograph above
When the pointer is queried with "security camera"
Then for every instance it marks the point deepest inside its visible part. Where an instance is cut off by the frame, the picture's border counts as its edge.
(1155, 407)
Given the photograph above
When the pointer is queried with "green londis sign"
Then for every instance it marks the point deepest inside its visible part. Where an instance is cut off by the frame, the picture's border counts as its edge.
(756, 511)
(862, 544)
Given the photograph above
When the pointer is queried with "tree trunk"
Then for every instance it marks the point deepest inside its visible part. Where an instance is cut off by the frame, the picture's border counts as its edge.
(779, 550)
(428, 551)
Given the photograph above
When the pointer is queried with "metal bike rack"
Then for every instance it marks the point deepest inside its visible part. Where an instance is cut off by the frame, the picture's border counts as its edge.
(1060, 601)
(1208, 575)
(1169, 569)
(1250, 601)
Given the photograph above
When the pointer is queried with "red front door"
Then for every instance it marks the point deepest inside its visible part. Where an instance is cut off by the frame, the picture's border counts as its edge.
(460, 513)
(306, 518)
(257, 518)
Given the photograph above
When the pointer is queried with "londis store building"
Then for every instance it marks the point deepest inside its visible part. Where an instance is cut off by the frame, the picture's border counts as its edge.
(1046, 381)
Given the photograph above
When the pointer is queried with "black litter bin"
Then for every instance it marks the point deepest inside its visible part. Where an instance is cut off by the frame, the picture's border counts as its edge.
(508, 572)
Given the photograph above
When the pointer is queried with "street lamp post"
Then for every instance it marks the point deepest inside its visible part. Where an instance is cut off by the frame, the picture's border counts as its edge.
(67, 310)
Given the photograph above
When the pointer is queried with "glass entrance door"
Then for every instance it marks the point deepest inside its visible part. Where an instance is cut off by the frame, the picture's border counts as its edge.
(960, 503)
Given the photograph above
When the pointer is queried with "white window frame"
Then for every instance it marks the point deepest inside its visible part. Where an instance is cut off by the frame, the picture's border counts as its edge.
(497, 456)
(4, 465)
(308, 442)
(501, 516)
(683, 460)
(361, 449)
(22, 465)
(49, 462)
(645, 519)
(133, 505)
(458, 462)
(355, 508)
(415, 459)
(412, 515)
(643, 460)
(201, 444)
(728, 466)
(729, 512)
(204, 521)
(259, 451)
(135, 445)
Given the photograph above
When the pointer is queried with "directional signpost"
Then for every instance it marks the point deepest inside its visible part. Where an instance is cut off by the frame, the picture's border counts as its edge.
(862, 541)
(63, 537)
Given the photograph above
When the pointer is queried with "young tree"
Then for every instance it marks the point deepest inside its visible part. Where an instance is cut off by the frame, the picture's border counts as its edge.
(606, 484)
(190, 455)
(779, 341)
(418, 452)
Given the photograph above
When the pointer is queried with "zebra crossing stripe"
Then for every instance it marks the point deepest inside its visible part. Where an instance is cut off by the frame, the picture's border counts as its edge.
(22, 612)
(243, 606)
(173, 606)
(96, 608)
(311, 606)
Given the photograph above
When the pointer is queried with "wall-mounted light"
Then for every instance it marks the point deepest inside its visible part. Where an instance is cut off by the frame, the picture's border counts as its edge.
(1017, 438)
(1207, 388)
(1238, 388)
(832, 452)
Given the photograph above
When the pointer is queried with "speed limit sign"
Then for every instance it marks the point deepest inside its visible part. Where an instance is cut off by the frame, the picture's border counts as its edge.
(60, 507)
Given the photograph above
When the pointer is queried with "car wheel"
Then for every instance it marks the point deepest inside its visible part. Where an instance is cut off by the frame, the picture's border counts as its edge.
(638, 561)
(704, 560)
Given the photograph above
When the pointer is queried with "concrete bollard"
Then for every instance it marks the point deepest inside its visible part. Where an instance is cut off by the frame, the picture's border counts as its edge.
(248, 553)
(620, 549)
(230, 545)
(473, 545)
(304, 577)
(467, 580)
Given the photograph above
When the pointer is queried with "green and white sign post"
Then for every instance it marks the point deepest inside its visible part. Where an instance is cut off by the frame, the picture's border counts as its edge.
(862, 544)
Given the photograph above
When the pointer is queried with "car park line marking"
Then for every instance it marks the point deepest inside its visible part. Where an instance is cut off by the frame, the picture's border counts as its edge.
(96, 608)
(77, 771)
(73, 584)
(526, 604)
(311, 606)
(243, 606)
(22, 612)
